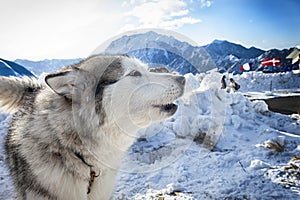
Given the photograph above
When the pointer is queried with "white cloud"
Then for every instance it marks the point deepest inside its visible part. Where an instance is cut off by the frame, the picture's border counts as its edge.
(132, 2)
(177, 23)
(127, 27)
(125, 4)
(169, 14)
(205, 3)
(56, 29)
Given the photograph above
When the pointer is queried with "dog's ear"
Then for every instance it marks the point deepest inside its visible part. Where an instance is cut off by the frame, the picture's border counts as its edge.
(63, 83)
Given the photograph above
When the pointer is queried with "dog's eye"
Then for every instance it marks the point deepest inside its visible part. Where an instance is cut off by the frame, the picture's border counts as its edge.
(135, 73)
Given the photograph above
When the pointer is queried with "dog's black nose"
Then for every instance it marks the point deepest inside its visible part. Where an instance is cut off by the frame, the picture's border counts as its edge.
(180, 80)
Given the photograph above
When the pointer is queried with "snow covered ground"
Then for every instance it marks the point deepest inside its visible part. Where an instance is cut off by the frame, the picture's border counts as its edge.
(258, 85)
(217, 146)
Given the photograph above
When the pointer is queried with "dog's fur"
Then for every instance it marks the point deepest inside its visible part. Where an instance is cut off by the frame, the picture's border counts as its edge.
(69, 133)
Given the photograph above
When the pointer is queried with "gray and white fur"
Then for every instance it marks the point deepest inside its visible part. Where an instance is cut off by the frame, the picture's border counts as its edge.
(69, 133)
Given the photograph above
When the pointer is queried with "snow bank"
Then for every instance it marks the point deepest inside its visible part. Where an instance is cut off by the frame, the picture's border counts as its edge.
(213, 148)
(259, 81)
(216, 146)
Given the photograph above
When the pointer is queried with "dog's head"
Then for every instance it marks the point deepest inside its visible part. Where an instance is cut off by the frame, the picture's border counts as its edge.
(119, 90)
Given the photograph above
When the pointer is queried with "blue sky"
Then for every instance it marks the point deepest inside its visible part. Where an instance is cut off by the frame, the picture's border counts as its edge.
(34, 29)
(263, 23)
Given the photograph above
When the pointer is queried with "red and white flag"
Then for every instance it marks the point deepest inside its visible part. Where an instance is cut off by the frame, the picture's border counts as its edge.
(270, 62)
(245, 66)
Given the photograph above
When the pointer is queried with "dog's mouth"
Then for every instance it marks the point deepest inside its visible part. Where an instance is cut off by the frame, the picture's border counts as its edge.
(169, 108)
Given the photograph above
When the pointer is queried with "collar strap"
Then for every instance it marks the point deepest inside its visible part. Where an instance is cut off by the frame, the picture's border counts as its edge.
(92, 172)
(79, 156)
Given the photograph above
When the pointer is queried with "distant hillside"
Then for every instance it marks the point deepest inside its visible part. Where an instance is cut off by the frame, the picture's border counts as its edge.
(9, 68)
(218, 49)
(47, 65)
(282, 54)
(229, 56)
(158, 49)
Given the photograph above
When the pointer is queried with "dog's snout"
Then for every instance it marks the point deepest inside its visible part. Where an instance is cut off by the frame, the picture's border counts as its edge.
(180, 80)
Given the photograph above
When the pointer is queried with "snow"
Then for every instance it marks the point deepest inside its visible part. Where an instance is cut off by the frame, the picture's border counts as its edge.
(260, 82)
(232, 58)
(216, 146)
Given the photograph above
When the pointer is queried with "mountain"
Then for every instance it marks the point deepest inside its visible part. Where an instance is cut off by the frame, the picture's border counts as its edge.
(39, 67)
(9, 68)
(229, 56)
(220, 48)
(157, 49)
(282, 54)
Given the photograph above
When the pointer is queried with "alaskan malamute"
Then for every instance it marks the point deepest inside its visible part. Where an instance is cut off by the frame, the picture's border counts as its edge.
(69, 132)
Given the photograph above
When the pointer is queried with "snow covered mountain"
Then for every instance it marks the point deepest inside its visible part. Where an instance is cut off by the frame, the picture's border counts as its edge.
(9, 68)
(158, 49)
(282, 54)
(229, 56)
(39, 67)
(219, 48)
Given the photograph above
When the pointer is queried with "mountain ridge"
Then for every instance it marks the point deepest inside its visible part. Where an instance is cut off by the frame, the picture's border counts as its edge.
(158, 49)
